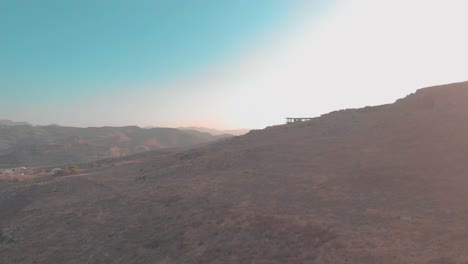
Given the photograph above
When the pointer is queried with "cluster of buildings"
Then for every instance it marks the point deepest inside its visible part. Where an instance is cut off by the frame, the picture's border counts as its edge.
(14, 171)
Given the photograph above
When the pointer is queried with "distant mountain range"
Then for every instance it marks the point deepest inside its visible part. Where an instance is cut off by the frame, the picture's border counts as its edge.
(6, 122)
(216, 132)
(22, 144)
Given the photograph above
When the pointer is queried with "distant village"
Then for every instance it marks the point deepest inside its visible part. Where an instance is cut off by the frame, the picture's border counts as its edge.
(16, 171)
(21, 171)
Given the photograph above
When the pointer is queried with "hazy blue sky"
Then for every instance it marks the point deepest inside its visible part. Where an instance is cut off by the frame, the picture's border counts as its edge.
(225, 64)
(55, 49)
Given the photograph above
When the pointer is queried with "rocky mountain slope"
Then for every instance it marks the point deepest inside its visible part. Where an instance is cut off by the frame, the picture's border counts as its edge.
(385, 184)
(25, 145)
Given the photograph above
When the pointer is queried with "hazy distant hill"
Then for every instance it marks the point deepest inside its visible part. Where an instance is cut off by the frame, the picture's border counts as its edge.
(216, 132)
(50, 145)
(6, 122)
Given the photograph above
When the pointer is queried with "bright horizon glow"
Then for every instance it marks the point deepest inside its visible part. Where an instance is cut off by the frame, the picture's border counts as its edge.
(357, 53)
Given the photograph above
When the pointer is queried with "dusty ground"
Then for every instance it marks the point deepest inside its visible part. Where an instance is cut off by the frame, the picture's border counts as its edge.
(385, 184)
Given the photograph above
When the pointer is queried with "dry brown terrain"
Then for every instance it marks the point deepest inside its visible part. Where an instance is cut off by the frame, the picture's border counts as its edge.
(386, 184)
(37, 146)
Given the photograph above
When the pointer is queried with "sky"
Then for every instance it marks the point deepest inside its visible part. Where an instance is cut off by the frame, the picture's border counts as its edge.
(221, 64)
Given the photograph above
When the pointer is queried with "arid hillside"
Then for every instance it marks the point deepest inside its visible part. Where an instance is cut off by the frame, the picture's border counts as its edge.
(385, 184)
(216, 132)
(26, 145)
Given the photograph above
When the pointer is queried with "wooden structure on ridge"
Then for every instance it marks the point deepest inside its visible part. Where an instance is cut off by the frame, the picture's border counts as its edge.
(290, 120)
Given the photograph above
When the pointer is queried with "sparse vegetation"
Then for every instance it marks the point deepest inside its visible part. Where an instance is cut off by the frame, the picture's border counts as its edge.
(70, 170)
(61, 172)
(74, 169)
(6, 237)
